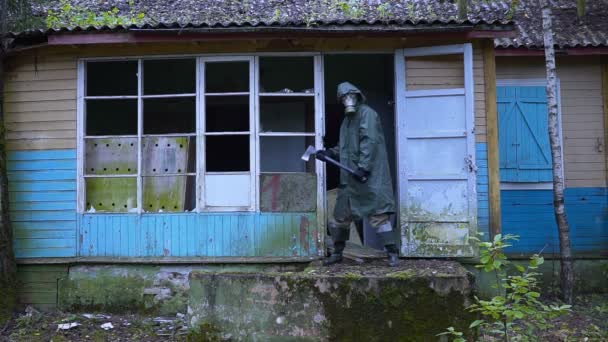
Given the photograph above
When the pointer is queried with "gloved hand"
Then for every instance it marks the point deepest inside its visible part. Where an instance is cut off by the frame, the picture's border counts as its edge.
(322, 154)
(361, 175)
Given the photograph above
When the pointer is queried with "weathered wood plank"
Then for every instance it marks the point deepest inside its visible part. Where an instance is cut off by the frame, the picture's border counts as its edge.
(40, 95)
(40, 144)
(68, 116)
(492, 137)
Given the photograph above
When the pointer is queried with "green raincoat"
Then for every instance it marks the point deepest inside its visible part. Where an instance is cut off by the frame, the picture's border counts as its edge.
(362, 145)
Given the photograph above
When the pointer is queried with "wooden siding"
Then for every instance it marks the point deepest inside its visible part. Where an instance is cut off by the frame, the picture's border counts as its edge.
(529, 214)
(40, 102)
(38, 285)
(483, 203)
(199, 235)
(42, 194)
(582, 112)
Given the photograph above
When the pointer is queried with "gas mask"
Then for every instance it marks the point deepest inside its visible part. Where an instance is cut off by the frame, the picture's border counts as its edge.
(350, 103)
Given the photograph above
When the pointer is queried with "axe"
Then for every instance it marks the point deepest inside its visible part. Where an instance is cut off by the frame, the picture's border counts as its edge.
(311, 150)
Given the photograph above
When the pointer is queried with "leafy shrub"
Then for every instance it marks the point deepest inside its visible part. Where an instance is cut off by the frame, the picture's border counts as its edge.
(519, 313)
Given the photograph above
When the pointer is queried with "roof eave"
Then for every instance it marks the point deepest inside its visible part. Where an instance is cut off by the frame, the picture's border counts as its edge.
(192, 34)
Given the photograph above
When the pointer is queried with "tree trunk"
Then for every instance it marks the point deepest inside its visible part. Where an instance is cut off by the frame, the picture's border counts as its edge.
(567, 272)
(8, 267)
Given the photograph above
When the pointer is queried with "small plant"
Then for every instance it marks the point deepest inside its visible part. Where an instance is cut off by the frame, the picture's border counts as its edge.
(518, 313)
(70, 15)
(384, 11)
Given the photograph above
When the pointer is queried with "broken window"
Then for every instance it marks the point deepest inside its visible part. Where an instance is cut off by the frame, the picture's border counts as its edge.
(190, 134)
(164, 106)
(286, 129)
(228, 150)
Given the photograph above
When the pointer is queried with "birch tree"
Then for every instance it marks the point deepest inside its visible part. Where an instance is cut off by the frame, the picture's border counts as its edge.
(567, 267)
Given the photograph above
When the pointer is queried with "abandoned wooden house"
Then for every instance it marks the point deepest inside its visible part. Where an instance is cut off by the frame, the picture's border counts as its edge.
(179, 142)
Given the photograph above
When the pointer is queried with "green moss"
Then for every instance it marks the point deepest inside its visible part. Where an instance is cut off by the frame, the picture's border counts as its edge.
(403, 275)
(352, 276)
(8, 301)
(413, 307)
(204, 332)
(104, 292)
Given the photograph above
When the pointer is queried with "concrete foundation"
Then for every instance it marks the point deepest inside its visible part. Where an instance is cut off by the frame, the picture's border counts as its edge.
(415, 301)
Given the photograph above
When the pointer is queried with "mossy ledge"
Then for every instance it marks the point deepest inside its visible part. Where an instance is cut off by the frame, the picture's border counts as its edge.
(353, 303)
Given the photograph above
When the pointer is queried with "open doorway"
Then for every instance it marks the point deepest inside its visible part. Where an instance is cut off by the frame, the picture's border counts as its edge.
(373, 74)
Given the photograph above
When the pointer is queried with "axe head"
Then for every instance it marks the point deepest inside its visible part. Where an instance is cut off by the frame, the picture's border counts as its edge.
(309, 151)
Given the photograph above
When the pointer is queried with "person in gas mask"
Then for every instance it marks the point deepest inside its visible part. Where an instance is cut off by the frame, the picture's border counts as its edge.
(369, 192)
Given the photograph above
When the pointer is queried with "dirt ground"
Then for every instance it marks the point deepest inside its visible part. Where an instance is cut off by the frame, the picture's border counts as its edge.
(588, 321)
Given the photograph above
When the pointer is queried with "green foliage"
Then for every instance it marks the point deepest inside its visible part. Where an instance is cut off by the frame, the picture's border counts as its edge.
(518, 313)
(456, 334)
(351, 8)
(69, 15)
(19, 15)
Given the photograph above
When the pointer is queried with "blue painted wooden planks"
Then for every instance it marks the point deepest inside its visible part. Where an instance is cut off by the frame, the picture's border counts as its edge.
(483, 212)
(525, 155)
(529, 214)
(203, 234)
(42, 194)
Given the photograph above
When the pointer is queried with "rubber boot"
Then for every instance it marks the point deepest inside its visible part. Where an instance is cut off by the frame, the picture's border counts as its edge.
(393, 255)
(388, 240)
(336, 256)
(340, 236)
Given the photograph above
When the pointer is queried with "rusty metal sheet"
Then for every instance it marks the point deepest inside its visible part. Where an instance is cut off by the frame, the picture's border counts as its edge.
(111, 156)
(288, 192)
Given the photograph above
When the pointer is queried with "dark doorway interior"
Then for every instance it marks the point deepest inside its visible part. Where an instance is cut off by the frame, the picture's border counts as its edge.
(373, 74)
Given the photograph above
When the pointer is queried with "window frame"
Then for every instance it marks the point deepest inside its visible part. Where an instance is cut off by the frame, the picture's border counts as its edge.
(200, 134)
(534, 82)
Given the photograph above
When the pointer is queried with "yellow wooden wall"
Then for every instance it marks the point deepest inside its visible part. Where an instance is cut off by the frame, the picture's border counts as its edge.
(40, 102)
(582, 112)
(41, 85)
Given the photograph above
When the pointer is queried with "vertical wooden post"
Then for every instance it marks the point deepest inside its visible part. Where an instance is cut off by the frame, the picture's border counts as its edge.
(489, 64)
(604, 65)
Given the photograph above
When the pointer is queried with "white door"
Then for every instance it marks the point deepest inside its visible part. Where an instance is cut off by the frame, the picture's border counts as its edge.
(436, 150)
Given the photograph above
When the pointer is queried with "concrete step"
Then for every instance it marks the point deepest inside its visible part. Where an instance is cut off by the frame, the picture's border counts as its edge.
(365, 302)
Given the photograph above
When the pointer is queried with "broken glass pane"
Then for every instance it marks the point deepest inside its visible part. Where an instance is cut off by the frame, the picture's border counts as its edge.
(110, 156)
(168, 155)
(287, 75)
(170, 115)
(111, 117)
(111, 78)
(226, 77)
(283, 154)
(287, 114)
(169, 194)
(169, 76)
(227, 153)
(227, 113)
(118, 194)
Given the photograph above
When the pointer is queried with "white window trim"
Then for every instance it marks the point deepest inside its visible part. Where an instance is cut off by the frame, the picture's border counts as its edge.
(535, 82)
(200, 129)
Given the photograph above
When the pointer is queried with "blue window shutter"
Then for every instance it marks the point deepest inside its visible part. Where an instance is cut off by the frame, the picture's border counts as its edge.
(525, 154)
(507, 133)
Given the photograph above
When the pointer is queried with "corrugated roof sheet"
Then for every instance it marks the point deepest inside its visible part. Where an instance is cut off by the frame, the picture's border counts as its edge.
(570, 31)
(162, 14)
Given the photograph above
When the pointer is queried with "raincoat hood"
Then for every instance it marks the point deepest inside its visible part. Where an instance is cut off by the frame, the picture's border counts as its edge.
(346, 88)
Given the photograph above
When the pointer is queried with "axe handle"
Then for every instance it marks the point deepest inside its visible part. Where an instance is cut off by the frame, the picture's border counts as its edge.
(340, 165)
